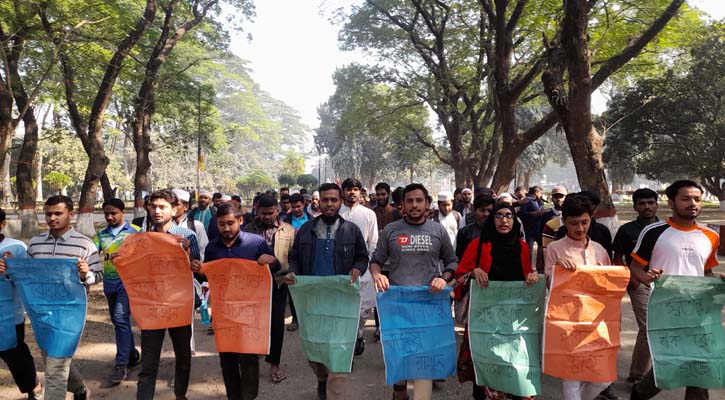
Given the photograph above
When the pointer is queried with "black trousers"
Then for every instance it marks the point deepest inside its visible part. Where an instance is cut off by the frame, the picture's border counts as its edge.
(241, 375)
(20, 362)
(151, 342)
(279, 304)
(292, 309)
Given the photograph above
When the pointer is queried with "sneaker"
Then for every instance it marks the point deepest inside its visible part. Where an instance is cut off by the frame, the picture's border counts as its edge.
(119, 373)
(359, 346)
(377, 335)
(134, 358)
(84, 395)
(608, 394)
(322, 390)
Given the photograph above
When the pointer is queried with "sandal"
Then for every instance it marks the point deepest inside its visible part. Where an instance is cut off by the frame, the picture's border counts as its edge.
(292, 327)
(278, 377)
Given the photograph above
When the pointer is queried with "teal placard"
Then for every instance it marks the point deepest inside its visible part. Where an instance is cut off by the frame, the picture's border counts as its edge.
(684, 328)
(328, 310)
(505, 322)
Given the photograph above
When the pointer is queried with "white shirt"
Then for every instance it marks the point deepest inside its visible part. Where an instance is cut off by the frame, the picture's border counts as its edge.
(366, 220)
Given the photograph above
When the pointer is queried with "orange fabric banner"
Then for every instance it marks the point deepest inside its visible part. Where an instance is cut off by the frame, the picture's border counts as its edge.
(241, 305)
(155, 272)
(581, 332)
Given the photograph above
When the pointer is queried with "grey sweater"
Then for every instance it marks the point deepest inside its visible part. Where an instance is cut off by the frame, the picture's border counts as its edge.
(417, 253)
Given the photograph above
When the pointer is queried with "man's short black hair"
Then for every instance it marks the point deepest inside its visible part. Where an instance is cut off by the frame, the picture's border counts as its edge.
(228, 208)
(351, 183)
(255, 200)
(164, 194)
(577, 204)
(533, 189)
(384, 186)
(303, 191)
(593, 197)
(482, 191)
(2, 215)
(644, 193)
(329, 186)
(483, 201)
(60, 199)
(284, 197)
(114, 202)
(416, 186)
(216, 195)
(267, 200)
(397, 195)
(283, 189)
(457, 191)
(296, 198)
(675, 187)
(237, 198)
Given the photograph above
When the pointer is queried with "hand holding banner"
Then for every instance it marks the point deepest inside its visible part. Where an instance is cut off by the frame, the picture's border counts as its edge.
(505, 321)
(8, 339)
(328, 310)
(241, 293)
(155, 272)
(581, 333)
(684, 328)
(416, 329)
(54, 299)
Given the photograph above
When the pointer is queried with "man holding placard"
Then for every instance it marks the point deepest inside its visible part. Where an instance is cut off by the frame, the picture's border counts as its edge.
(415, 247)
(62, 241)
(18, 358)
(240, 371)
(678, 246)
(328, 245)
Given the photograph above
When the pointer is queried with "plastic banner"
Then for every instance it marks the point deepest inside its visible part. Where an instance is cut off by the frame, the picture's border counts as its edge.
(416, 329)
(685, 332)
(8, 338)
(155, 272)
(328, 310)
(505, 321)
(55, 300)
(241, 303)
(583, 313)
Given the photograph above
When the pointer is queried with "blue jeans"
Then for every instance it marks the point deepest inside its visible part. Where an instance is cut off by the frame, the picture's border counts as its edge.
(121, 318)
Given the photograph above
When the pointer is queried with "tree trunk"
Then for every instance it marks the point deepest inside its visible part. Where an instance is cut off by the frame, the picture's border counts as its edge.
(7, 122)
(5, 180)
(527, 179)
(24, 176)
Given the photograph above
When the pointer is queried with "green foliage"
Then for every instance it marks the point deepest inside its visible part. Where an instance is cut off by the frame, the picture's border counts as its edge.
(256, 181)
(293, 163)
(671, 127)
(307, 181)
(287, 180)
(57, 181)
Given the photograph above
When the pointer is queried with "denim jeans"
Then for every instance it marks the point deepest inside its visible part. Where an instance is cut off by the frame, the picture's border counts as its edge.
(121, 318)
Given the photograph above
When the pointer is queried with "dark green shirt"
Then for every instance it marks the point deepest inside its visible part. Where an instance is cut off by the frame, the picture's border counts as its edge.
(627, 236)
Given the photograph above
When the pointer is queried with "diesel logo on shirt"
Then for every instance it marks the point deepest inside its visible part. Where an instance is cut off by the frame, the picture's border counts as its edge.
(415, 242)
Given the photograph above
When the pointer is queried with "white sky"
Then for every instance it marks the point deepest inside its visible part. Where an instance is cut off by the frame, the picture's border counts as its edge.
(294, 51)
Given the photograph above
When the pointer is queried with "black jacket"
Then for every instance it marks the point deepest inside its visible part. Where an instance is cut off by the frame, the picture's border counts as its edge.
(350, 249)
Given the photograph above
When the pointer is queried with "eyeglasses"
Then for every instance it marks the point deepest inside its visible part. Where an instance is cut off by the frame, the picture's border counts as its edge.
(504, 216)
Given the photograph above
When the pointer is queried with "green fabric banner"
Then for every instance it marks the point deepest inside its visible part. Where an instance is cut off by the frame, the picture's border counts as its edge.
(684, 328)
(328, 310)
(505, 326)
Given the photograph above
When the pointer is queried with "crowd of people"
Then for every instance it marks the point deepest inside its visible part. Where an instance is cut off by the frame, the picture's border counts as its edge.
(462, 238)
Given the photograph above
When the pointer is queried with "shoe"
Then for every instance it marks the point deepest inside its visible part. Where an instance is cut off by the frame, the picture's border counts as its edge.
(322, 390)
(377, 335)
(134, 358)
(359, 346)
(634, 379)
(608, 394)
(210, 331)
(119, 373)
(84, 395)
(36, 394)
(292, 327)
(634, 395)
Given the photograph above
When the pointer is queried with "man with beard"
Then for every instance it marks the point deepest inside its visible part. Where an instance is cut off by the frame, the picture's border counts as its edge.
(550, 224)
(678, 246)
(328, 245)
(384, 211)
(416, 264)
(482, 207)
(645, 203)
(203, 213)
(279, 236)
(366, 220)
(241, 371)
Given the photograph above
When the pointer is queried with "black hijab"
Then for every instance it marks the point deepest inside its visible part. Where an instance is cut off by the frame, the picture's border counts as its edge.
(505, 248)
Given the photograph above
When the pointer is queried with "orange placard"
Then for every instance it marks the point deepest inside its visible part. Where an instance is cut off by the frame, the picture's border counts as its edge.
(155, 272)
(241, 305)
(581, 332)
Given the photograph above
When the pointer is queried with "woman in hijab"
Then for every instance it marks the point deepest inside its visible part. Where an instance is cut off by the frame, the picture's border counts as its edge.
(499, 254)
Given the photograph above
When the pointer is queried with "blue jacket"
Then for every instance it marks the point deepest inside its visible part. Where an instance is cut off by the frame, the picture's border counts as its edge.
(350, 249)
